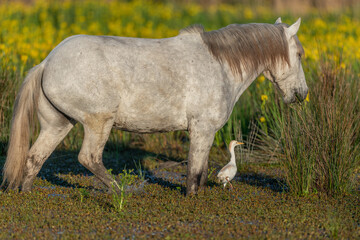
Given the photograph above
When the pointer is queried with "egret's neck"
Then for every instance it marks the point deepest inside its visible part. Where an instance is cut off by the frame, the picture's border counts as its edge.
(232, 153)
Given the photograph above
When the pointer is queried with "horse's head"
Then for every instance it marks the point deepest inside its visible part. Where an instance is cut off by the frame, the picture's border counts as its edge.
(289, 78)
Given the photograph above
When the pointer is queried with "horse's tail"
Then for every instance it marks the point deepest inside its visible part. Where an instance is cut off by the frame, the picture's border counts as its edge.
(22, 120)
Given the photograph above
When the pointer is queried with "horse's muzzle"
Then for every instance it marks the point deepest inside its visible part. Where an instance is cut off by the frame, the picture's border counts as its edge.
(298, 95)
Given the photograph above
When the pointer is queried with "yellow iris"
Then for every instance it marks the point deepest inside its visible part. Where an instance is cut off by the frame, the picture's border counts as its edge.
(264, 97)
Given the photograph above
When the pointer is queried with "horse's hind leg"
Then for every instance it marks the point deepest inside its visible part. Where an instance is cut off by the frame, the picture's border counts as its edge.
(97, 129)
(54, 127)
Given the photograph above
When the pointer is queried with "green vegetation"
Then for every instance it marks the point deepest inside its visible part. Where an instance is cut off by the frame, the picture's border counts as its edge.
(119, 195)
(318, 143)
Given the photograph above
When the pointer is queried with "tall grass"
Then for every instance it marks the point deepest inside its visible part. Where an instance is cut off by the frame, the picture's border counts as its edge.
(317, 142)
(7, 97)
(333, 124)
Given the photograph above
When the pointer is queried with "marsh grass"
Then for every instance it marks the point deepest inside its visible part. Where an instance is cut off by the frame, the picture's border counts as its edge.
(139, 170)
(317, 142)
(7, 97)
(333, 124)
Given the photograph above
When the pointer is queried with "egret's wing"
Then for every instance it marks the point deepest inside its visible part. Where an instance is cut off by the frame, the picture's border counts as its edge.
(225, 169)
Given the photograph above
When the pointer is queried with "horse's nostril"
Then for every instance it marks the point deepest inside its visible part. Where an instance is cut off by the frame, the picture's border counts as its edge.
(298, 97)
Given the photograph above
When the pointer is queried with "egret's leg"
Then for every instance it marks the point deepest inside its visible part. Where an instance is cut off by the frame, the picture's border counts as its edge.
(200, 143)
(231, 186)
(228, 181)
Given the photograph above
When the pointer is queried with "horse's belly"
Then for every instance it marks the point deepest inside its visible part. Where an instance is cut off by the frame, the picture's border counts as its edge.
(149, 116)
(148, 123)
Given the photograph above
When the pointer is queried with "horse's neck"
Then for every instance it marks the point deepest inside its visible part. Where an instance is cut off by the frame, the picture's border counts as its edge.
(240, 84)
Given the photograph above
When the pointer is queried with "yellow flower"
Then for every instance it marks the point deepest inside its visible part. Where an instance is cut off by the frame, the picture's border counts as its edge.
(307, 97)
(262, 119)
(342, 65)
(248, 14)
(319, 23)
(264, 97)
(24, 58)
(261, 78)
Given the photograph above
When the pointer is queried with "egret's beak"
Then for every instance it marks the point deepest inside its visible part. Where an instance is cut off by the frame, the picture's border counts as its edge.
(240, 143)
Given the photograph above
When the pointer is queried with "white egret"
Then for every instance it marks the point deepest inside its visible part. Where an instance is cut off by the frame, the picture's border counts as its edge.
(228, 172)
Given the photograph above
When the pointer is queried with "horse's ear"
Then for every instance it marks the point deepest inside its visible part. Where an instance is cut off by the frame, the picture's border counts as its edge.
(278, 21)
(292, 30)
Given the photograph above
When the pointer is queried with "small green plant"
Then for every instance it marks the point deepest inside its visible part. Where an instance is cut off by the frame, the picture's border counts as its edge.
(119, 195)
(83, 194)
(211, 171)
(139, 170)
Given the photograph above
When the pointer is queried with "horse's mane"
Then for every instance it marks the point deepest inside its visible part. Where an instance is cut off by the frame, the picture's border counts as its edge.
(246, 46)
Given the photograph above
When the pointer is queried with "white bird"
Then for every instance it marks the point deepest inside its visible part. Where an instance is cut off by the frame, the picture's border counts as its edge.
(228, 172)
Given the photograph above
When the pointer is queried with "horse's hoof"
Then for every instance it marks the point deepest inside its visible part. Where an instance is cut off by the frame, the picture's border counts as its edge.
(26, 189)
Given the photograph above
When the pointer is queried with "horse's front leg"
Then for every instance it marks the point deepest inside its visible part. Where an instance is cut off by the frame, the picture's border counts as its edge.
(200, 143)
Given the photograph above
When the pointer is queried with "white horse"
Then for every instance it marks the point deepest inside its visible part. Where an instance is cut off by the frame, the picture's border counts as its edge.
(188, 82)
